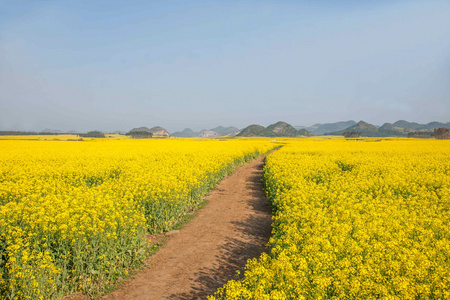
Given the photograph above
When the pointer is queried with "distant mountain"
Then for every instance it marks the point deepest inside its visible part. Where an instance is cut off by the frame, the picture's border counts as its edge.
(320, 129)
(304, 132)
(209, 134)
(436, 125)
(156, 131)
(398, 129)
(235, 133)
(411, 126)
(279, 129)
(388, 129)
(224, 131)
(362, 127)
(220, 131)
(159, 131)
(143, 128)
(47, 130)
(185, 133)
(406, 124)
(253, 130)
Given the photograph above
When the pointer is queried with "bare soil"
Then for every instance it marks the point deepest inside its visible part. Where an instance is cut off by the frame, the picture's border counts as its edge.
(196, 260)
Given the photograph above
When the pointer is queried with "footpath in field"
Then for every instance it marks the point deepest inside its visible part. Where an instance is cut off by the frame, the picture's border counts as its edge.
(205, 254)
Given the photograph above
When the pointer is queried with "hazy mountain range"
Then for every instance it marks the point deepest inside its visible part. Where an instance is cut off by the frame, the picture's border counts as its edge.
(220, 130)
(399, 128)
(319, 129)
(274, 130)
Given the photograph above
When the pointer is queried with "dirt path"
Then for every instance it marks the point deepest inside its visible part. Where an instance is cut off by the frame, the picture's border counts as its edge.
(205, 254)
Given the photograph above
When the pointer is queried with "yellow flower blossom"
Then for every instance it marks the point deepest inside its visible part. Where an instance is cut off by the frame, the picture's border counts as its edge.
(74, 216)
(354, 220)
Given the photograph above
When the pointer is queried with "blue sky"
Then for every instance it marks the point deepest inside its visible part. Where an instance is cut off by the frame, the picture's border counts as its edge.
(115, 65)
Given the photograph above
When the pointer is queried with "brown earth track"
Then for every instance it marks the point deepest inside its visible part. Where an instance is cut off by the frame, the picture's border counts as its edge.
(233, 227)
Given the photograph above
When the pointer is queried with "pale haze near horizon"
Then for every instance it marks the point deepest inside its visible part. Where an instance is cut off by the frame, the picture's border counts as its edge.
(116, 65)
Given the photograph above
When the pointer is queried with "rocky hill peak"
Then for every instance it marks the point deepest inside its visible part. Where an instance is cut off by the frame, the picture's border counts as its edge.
(156, 131)
(209, 134)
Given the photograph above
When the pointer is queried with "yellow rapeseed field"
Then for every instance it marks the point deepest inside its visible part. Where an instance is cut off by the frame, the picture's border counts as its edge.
(354, 220)
(74, 215)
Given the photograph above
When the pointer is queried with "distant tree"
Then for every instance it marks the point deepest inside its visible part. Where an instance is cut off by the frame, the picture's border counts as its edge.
(140, 134)
(352, 134)
(420, 135)
(93, 134)
(442, 133)
(25, 133)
